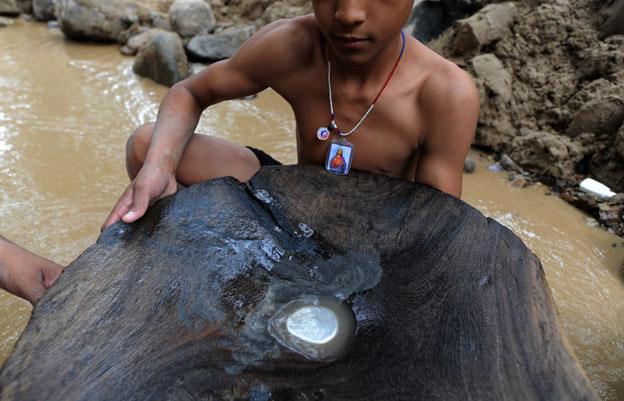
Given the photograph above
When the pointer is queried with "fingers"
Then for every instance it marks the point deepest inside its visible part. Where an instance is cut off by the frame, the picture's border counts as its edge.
(51, 273)
(121, 208)
(148, 186)
(140, 202)
(34, 296)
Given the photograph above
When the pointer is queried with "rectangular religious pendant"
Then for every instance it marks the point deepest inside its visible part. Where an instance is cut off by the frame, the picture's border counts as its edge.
(339, 157)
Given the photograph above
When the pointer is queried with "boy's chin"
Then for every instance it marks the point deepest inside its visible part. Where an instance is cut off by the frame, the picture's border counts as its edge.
(354, 59)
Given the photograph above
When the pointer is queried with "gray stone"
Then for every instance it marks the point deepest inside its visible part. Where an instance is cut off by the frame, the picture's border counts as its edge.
(159, 20)
(599, 116)
(487, 26)
(491, 72)
(162, 59)
(469, 165)
(190, 17)
(94, 19)
(44, 10)
(136, 42)
(9, 7)
(211, 47)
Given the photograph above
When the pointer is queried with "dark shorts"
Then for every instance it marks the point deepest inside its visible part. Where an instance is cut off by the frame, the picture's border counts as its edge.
(265, 159)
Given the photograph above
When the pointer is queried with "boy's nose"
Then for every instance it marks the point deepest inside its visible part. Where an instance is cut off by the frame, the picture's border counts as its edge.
(350, 12)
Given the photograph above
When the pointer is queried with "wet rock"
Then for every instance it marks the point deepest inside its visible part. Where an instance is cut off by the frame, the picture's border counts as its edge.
(614, 23)
(547, 154)
(600, 116)
(43, 10)
(209, 297)
(469, 165)
(190, 17)
(488, 25)
(133, 30)
(162, 59)
(492, 74)
(9, 7)
(94, 19)
(136, 42)
(159, 20)
(213, 47)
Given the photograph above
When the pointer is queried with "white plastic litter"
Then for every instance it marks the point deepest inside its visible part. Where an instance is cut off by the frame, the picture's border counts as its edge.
(597, 188)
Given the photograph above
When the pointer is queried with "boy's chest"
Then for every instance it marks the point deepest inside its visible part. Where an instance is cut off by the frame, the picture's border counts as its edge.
(387, 141)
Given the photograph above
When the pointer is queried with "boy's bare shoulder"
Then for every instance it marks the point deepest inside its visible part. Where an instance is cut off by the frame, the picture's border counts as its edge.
(281, 47)
(445, 81)
(448, 96)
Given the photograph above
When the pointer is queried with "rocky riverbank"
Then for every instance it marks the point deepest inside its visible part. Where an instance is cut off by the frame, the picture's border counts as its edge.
(550, 73)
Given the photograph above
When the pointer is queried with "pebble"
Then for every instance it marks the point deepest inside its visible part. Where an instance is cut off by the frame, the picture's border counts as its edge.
(591, 222)
(469, 166)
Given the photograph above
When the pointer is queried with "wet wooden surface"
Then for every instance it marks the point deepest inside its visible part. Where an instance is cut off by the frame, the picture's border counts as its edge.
(450, 305)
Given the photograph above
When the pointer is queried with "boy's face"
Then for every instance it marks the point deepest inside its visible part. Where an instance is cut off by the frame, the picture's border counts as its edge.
(359, 29)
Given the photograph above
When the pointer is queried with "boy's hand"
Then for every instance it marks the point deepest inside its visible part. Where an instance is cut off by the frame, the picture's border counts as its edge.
(24, 274)
(151, 184)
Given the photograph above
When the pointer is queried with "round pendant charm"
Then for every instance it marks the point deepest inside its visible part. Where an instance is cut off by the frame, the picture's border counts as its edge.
(322, 133)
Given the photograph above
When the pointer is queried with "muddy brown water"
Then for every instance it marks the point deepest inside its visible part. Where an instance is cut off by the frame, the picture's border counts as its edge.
(67, 108)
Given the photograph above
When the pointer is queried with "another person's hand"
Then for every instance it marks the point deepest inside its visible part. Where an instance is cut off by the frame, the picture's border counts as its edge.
(151, 184)
(24, 274)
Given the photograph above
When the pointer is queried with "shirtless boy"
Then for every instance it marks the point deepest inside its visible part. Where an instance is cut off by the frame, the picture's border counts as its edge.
(420, 129)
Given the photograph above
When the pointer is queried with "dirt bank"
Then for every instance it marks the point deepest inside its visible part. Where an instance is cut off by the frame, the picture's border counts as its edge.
(552, 90)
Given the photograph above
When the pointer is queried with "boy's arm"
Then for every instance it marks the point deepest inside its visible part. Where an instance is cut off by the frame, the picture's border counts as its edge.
(451, 103)
(249, 71)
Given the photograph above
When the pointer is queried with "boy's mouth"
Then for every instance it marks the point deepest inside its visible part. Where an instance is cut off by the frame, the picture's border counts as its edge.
(351, 42)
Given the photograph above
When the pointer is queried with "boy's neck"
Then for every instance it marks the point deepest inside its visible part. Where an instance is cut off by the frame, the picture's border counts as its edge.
(372, 73)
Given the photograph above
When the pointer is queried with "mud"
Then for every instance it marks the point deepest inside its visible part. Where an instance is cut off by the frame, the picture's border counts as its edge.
(556, 99)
